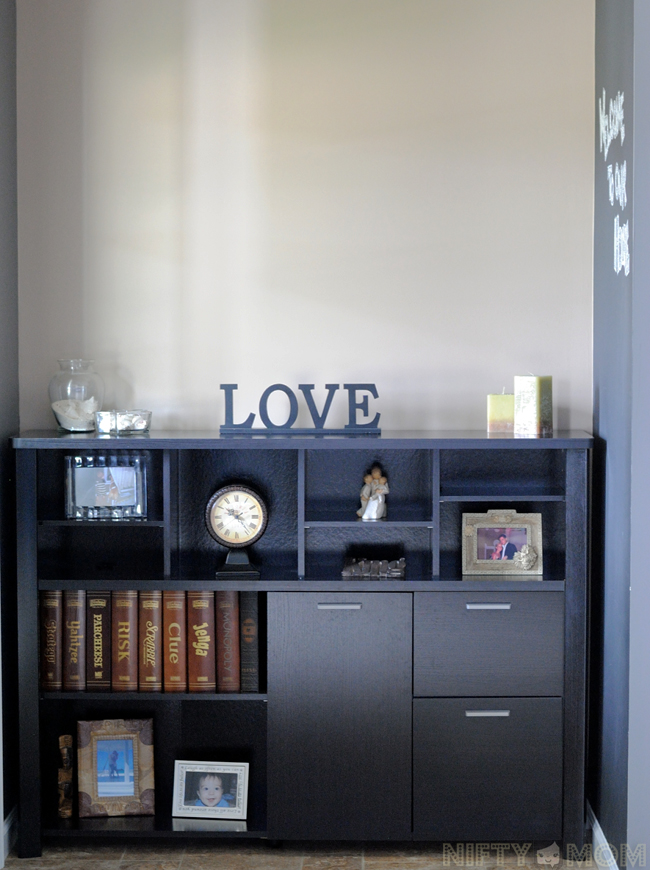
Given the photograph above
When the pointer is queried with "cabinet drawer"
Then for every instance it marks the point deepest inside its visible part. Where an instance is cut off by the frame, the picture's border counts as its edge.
(492, 643)
(487, 769)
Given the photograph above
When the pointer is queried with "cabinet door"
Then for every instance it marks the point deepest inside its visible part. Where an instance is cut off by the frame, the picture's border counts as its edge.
(339, 715)
(487, 769)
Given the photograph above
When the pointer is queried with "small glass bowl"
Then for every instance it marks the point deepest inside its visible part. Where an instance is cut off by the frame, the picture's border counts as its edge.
(122, 422)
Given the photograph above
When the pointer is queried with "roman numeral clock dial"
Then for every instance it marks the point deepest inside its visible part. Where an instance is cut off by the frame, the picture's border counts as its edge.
(236, 516)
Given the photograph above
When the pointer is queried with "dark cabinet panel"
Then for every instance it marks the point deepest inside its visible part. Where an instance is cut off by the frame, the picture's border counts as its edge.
(492, 643)
(339, 715)
(487, 769)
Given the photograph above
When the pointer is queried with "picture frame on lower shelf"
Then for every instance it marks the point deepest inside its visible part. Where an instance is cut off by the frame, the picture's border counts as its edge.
(115, 767)
(106, 486)
(502, 542)
(210, 789)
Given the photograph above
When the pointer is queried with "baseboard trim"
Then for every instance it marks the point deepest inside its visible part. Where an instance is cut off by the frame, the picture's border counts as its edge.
(10, 832)
(599, 843)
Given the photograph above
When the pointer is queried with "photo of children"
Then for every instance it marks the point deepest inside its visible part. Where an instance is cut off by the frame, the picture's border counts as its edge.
(115, 774)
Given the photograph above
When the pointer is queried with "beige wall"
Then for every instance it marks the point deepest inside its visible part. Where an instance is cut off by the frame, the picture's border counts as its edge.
(260, 191)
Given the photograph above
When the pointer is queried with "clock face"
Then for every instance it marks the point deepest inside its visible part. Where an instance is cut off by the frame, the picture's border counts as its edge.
(236, 516)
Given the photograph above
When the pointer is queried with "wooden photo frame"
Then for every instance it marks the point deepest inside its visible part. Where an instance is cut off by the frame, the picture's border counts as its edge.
(225, 786)
(502, 542)
(115, 761)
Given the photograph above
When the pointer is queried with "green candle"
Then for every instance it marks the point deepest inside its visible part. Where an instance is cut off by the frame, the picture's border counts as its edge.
(500, 412)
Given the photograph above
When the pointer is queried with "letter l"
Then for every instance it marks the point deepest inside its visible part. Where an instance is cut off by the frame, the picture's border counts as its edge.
(248, 422)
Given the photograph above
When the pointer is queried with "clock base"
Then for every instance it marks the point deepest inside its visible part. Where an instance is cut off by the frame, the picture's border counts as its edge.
(237, 567)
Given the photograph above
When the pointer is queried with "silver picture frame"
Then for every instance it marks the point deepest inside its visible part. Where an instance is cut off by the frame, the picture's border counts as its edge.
(106, 486)
(192, 777)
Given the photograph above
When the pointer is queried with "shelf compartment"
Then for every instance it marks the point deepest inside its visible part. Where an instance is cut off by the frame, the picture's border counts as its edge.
(121, 552)
(496, 474)
(327, 547)
(52, 476)
(273, 473)
(553, 533)
(208, 728)
(334, 478)
(171, 697)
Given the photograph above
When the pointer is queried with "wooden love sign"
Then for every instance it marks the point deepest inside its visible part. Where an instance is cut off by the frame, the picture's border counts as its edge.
(356, 403)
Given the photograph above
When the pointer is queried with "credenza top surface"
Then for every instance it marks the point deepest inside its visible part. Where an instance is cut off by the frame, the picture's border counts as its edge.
(46, 439)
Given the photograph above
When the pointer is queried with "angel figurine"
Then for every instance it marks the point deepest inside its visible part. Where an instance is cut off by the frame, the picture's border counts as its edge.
(373, 495)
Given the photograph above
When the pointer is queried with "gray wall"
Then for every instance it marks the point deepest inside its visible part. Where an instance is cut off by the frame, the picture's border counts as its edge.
(620, 697)
(639, 706)
(612, 419)
(8, 373)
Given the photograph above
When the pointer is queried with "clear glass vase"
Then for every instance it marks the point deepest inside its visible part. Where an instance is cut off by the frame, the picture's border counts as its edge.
(76, 392)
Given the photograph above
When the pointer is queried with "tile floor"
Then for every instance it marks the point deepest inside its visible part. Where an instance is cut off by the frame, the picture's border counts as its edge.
(258, 855)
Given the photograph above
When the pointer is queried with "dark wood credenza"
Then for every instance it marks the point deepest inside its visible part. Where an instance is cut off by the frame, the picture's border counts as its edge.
(401, 714)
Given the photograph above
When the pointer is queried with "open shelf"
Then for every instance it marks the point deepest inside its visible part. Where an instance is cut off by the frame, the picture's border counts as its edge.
(498, 493)
(502, 475)
(112, 552)
(334, 478)
(553, 532)
(327, 547)
(402, 515)
(327, 583)
(272, 473)
(360, 524)
(199, 727)
(102, 524)
(170, 697)
(143, 827)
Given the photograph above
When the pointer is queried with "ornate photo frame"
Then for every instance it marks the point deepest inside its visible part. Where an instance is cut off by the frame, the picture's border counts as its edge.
(502, 542)
(228, 789)
(115, 761)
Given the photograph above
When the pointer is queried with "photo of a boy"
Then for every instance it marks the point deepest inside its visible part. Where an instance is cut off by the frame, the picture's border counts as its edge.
(211, 793)
(210, 790)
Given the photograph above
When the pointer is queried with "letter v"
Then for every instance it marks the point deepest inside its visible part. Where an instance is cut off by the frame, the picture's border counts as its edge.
(319, 419)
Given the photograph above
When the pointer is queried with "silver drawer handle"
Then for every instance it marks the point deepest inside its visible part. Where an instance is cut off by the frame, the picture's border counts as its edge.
(339, 606)
(472, 713)
(488, 606)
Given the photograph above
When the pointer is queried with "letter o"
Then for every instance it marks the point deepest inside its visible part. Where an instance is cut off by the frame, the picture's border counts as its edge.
(606, 855)
(293, 406)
